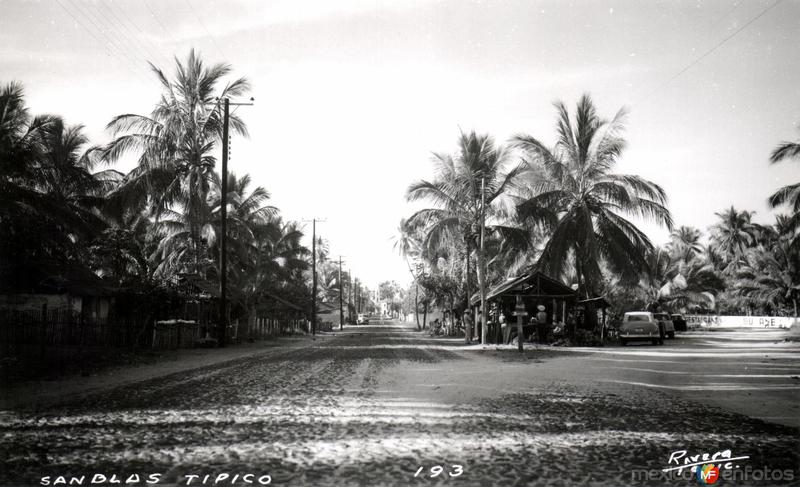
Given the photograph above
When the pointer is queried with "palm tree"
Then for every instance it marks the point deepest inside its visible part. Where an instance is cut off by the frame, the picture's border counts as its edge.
(770, 277)
(583, 203)
(788, 195)
(685, 243)
(49, 196)
(407, 242)
(472, 190)
(685, 284)
(733, 234)
(175, 143)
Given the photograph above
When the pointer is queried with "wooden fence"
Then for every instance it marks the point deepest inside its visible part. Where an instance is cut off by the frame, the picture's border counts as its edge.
(66, 328)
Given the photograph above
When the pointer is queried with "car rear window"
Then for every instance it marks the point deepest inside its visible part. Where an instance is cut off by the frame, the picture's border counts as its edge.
(638, 318)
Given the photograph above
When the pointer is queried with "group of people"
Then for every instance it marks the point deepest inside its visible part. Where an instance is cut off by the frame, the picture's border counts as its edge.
(544, 329)
(500, 330)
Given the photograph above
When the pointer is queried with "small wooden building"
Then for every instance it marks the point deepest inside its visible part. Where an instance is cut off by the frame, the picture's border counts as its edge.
(535, 288)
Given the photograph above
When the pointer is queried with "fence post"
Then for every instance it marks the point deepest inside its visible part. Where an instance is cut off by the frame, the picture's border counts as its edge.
(43, 331)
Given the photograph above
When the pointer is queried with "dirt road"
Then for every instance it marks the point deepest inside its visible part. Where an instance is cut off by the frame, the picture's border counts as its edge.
(383, 405)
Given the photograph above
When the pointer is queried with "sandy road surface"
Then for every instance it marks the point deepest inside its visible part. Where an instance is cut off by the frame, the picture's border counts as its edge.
(372, 405)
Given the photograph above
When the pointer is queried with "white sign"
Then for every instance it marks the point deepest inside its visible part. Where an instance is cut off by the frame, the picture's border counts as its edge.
(716, 321)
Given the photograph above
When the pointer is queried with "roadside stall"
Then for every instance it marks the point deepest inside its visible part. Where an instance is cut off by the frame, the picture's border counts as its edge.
(535, 289)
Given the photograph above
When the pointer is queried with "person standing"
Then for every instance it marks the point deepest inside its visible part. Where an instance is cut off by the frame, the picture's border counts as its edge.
(479, 324)
(541, 323)
(467, 326)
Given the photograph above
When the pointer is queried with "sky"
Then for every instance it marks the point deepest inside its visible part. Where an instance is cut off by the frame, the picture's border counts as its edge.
(352, 97)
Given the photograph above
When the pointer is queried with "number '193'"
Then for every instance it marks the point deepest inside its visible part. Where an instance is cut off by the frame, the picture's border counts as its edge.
(437, 470)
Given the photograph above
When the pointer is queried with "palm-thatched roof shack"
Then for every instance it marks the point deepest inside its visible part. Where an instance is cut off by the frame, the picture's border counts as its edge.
(535, 289)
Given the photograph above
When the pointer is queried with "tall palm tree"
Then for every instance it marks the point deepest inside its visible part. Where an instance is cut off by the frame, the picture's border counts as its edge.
(176, 142)
(685, 243)
(679, 283)
(788, 195)
(584, 203)
(471, 190)
(407, 242)
(49, 196)
(769, 276)
(733, 234)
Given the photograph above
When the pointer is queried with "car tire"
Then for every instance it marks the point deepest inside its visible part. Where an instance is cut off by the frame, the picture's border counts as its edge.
(671, 334)
(623, 342)
(655, 341)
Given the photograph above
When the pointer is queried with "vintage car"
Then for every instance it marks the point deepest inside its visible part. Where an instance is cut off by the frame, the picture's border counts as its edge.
(362, 320)
(666, 320)
(641, 325)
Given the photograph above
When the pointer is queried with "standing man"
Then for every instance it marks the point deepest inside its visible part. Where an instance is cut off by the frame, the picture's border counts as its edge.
(467, 326)
(541, 323)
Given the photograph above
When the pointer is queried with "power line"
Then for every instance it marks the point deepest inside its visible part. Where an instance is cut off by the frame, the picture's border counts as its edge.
(112, 39)
(142, 36)
(109, 45)
(211, 36)
(163, 27)
(708, 52)
(130, 41)
(109, 34)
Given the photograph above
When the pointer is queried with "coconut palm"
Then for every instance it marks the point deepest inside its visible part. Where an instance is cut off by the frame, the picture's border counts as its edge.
(408, 243)
(470, 188)
(176, 142)
(585, 204)
(49, 196)
(685, 243)
(733, 234)
(681, 284)
(788, 195)
(769, 277)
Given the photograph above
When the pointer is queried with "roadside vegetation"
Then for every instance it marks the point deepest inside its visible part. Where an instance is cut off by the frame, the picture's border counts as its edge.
(65, 209)
(565, 211)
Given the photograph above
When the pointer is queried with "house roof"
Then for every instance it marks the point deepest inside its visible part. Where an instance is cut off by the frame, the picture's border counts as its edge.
(48, 277)
(598, 301)
(197, 284)
(283, 302)
(533, 284)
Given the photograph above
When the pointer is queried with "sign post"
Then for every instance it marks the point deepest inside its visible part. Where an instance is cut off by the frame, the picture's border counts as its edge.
(520, 313)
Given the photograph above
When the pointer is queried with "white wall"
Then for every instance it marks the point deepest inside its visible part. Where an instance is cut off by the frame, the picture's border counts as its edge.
(716, 321)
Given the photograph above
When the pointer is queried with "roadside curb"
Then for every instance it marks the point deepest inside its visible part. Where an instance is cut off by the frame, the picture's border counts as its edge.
(42, 392)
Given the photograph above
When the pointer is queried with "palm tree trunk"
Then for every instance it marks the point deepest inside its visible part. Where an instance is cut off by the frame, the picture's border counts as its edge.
(482, 285)
(466, 277)
(482, 264)
(416, 305)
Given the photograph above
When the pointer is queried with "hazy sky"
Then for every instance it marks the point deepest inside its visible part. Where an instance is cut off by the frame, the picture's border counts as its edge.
(353, 96)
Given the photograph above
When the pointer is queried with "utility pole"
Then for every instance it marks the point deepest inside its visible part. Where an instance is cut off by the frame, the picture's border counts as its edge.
(356, 298)
(341, 296)
(314, 273)
(223, 257)
(482, 264)
(350, 295)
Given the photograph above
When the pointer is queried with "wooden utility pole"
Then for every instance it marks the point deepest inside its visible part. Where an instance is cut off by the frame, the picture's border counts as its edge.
(223, 257)
(314, 277)
(350, 295)
(482, 264)
(341, 296)
(314, 273)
